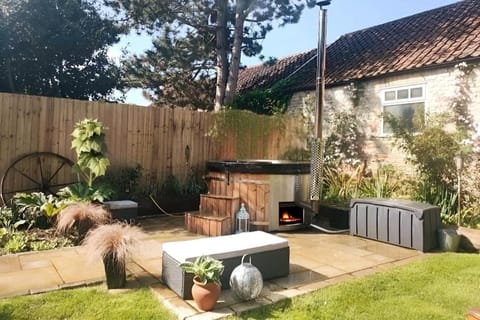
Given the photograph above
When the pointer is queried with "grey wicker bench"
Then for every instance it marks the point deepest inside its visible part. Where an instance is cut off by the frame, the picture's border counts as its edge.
(269, 253)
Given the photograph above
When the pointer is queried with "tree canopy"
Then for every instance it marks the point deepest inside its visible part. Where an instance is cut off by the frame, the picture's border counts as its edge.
(57, 48)
(197, 40)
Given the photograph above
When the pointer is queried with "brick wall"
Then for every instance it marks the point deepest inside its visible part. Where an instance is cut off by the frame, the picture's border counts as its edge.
(439, 89)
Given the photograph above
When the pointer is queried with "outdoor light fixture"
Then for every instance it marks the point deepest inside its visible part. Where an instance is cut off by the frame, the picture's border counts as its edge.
(459, 164)
(243, 220)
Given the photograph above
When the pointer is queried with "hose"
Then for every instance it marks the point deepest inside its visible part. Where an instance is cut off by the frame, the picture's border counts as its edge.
(162, 210)
(332, 231)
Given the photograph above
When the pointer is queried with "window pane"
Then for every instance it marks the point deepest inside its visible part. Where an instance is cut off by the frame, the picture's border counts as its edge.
(402, 94)
(410, 115)
(389, 95)
(416, 92)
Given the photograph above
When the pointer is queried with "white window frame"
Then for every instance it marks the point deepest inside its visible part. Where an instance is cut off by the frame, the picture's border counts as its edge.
(397, 101)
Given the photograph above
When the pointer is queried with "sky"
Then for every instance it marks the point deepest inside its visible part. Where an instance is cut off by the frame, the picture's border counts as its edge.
(343, 16)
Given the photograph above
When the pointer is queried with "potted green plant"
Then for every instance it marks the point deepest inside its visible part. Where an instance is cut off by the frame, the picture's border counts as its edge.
(114, 243)
(206, 287)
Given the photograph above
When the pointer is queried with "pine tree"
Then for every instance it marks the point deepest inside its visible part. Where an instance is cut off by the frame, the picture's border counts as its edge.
(198, 39)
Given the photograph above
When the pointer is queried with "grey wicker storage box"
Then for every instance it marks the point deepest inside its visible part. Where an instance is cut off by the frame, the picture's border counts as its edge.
(269, 253)
(122, 209)
(404, 223)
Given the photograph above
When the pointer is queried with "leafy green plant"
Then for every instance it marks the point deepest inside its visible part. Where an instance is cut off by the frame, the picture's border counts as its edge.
(432, 150)
(16, 242)
(470, 217)
(124, 182)
(339, 186)
(439, 195)
(23, 241)
(194, 184)
(90, 148)
(344, 144)
(382, 184)
(296, 154)
(171, 186)
(205, 268)
(36, 208)
(9, 222)
(267, 101)
(82, 192)
(42, 245)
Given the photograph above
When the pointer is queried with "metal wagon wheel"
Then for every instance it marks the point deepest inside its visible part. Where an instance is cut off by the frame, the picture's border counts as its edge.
(46, 172)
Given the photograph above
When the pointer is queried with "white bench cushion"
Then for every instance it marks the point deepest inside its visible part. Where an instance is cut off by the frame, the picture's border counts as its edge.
(224, 247)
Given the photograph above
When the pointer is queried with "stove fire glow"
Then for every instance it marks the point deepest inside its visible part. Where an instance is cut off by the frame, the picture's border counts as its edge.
(289, 213)
(287, 217)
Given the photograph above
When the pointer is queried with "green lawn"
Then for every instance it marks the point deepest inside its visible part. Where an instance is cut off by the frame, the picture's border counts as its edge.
(443, 286)
(85, 303)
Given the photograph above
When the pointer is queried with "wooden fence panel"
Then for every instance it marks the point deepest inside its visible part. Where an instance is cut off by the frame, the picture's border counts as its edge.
(163, 141)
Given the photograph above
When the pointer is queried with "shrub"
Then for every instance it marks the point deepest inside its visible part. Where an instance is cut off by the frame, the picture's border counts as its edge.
(339, 186)
(268, 101)
(9, 221)
(382, 184)
(36, 208)
(15, 242)
(81, 192)
(344, 144)
(124, 182)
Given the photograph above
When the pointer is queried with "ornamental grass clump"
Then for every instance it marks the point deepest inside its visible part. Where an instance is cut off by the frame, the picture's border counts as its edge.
(83, 216)
(114, 243)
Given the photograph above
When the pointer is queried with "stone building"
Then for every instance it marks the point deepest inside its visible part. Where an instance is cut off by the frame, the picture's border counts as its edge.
(407, 67)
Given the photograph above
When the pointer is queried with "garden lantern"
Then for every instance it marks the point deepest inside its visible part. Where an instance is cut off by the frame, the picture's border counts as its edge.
(246, 280)
(243, 220)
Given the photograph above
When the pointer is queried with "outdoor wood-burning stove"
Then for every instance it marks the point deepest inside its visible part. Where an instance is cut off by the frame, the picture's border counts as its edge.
(291, 215)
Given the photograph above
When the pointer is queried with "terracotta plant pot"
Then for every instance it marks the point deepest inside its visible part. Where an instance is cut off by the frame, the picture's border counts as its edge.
(205, 296)
(114, 272)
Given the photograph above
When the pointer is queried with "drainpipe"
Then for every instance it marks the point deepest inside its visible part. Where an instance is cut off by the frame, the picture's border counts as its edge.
(317, 143)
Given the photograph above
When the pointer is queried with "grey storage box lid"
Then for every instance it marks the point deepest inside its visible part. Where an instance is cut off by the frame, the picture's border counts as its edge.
(417, 208)
(400, 222)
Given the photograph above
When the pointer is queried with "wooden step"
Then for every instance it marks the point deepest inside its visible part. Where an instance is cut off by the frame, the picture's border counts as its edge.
(219, 206)
(208, 225)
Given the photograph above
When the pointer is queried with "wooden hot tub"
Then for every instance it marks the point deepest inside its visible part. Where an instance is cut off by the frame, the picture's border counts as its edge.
(270, 190)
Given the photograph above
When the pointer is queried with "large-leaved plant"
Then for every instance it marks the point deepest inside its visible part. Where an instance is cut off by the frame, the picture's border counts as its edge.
(90, 147)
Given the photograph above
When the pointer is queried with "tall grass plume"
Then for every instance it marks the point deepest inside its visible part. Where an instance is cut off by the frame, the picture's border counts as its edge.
(83, 216)
(113, 241)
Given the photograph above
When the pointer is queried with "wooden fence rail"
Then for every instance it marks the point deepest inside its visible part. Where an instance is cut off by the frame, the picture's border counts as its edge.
(163, 141)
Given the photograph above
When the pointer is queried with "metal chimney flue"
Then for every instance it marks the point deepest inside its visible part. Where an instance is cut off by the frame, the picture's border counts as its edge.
(317, 140)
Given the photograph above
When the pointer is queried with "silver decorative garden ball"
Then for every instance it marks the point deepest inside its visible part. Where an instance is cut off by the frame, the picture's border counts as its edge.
(246, 280)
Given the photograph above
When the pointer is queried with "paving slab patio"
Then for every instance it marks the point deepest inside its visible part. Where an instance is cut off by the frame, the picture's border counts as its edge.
(317, 260)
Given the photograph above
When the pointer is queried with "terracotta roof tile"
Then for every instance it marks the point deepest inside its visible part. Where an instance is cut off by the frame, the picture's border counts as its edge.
(431, 38)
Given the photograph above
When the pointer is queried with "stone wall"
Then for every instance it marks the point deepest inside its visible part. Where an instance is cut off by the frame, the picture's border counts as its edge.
(439, 90)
